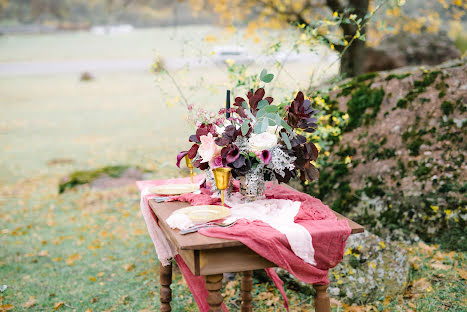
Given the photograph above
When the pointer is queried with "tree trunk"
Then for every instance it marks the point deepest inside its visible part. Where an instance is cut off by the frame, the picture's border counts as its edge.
(352, 62)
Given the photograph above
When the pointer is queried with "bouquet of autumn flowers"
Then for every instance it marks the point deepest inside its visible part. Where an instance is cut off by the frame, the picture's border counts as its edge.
(260, 141)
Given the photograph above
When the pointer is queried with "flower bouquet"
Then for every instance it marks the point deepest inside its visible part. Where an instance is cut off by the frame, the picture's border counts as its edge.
(258, 140)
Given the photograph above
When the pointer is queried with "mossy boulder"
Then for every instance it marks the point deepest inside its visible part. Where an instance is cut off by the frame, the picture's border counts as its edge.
(400, 162)
(101, 178)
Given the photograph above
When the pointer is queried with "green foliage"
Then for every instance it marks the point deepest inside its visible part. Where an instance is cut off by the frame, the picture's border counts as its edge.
(86, 176)
(461, 42)
(447, 107)
(427, 79)
(397, 76)
(362, 99)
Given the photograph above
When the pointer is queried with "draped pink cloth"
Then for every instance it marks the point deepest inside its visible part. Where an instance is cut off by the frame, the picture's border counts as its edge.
(329, 238)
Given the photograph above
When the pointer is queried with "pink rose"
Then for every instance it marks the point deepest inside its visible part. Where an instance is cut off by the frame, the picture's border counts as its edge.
(216, 162)
(208, 148)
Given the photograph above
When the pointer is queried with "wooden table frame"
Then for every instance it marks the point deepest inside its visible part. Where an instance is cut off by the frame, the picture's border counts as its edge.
(211, 257)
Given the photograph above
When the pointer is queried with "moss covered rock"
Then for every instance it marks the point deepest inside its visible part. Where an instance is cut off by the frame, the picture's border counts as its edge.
(400, 162)
(101, 178)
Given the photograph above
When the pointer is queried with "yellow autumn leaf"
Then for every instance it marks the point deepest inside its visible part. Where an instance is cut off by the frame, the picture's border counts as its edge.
(462, 273)
(129, 267)
(100, 274)
(30, 303)
(6, 307)
(92, 279)
(43, 253)
(58, 305)
(71, 260)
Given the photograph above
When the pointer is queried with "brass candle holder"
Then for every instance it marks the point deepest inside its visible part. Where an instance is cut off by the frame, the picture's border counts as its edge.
(222, 178)
(189, 164)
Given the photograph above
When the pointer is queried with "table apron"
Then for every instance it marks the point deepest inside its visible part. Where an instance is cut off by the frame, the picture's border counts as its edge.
(217, 261)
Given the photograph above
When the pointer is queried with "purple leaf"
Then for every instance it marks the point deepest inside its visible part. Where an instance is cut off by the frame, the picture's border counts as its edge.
(180, 157)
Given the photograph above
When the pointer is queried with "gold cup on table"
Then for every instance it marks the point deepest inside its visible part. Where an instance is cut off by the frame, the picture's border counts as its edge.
(189, 164)
(222, 178)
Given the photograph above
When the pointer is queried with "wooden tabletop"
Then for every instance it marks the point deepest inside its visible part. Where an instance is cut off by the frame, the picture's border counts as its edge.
(196, 241)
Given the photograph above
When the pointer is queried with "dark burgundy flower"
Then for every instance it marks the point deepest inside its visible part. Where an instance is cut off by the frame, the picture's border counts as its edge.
(300, 114)
(193, 151)
(241, 166)
(233, 154)
(180, 157)
(253, 100)
(265, 156)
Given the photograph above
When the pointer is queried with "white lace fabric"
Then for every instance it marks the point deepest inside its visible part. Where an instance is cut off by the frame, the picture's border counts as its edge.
(279, 214)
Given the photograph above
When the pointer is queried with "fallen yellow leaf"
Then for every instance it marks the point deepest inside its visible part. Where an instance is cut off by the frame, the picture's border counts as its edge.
(427, 249)
(93, 279)
(462, 273)
(440, 266)
(43, 253)
(100, 274)
(71, 260)
(129, 267)
(6, 307)
(30, 303)
(58, 305)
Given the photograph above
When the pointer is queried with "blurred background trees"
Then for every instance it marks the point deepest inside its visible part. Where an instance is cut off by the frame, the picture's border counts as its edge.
(342, 25)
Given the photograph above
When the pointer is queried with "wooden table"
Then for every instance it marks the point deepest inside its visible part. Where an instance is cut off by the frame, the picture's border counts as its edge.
(211, 257)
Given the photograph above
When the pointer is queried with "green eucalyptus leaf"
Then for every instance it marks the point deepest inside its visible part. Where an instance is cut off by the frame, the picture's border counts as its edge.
(278, 120)
(262, 104)
(261, 113)
(271, 108)
(264, 124)
(264, 72)
(245, 127)
(257, 129)
(286, 126)
(245, 105)
(267, 78)
(250, 115)
(286, 140)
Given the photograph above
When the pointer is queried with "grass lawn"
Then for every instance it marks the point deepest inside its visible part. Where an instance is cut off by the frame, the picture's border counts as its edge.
(89, 250)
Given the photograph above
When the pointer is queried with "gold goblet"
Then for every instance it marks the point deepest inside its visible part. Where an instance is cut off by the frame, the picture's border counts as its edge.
(189, 164)
(222, 177)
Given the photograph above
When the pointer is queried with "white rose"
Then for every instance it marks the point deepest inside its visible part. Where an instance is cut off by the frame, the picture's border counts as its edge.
(262, 141)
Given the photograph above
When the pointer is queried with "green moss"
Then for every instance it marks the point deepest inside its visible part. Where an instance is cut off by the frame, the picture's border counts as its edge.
(397, 76)
(373, 187)
(367, 76)
(362, 135)
(362, 99)
(460, 105)
(86, 176)
(447, 107)
(427, 79)
(402, 103)
(414, 146)
(422, 171)
(401, 167)
(442, 87)
(357, 83)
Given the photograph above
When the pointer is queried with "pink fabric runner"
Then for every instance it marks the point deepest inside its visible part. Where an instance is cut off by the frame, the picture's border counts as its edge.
(329, 239)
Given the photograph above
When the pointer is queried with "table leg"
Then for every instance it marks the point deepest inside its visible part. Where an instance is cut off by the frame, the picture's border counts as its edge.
(165, 293)
(214, 285)
(246, 287)
(322, 303)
